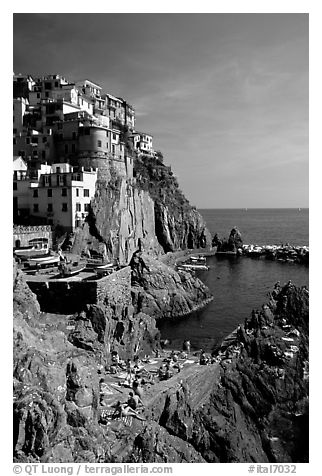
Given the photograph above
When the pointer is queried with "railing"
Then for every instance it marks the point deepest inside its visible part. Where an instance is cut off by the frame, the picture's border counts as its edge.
(30, 229)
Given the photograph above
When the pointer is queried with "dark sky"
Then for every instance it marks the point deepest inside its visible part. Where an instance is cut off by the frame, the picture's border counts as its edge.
(224, 95)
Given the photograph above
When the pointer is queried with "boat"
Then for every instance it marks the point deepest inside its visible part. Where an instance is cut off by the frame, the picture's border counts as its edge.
(194, 266)
(198, 259)
(43, 261)
(23, 254)
(104, 269)
(68, 271)
(226, 253)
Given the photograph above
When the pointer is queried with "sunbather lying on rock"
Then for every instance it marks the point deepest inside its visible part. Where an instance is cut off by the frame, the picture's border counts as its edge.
(125, 410)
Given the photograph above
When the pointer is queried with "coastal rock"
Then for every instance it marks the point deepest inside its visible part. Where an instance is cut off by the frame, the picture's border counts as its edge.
(178, 225)
(101, 329)
(249, 406)
(161, 292)
(233, 243)
(121, 216)
(148, 212)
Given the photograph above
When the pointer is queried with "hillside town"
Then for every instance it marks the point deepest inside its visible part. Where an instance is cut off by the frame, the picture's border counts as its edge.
(66, 135)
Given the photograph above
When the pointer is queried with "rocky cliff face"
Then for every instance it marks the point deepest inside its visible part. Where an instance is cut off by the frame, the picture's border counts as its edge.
(121, 218)
(252, 405)
(147, 212)
(162, 292)
(249, 406)
(57, 368)
(177, 224)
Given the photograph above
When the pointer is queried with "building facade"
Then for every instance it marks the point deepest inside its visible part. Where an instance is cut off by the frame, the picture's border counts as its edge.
(59, 195)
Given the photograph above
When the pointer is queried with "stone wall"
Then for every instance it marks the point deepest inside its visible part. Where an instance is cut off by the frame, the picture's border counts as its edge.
(26, 233)
(115, 289)
(72, 296)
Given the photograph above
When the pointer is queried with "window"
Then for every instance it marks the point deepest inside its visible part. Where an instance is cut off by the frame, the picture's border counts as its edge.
(64, 192)
(73, 148)
(78, 207)
(74, 135)
(43, 154)
(114, 136)
(49, 207)
(113, 149)
(36, 207)
(38, 95)
(15, 131)
(49, 192)
(66, 148)
(64, 207)
(34, 140)
(14, 141)
(15, 186)
(86, 207)
(77, 192)
(44, 139)
(56, 84)
(47, 85)
(107, 145)
(58, 170)
(86, 192)
(35, 193)
(47, 95)
(99, 143)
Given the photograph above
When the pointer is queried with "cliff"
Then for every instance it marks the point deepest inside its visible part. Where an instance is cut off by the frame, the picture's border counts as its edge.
(147, 212)
(57, 365)
(161, 292)
(178, 225)
(251, 405)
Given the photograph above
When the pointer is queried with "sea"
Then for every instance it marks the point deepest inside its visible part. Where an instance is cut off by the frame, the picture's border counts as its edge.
(240, 284)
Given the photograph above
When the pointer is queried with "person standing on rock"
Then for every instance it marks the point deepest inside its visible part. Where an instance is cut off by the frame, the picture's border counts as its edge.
(186, 346)
(137, 389)
(129, 370)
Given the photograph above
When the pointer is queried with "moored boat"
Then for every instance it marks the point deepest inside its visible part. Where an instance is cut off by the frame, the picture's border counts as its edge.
(104, 269)
(194, 266)
(43, 261)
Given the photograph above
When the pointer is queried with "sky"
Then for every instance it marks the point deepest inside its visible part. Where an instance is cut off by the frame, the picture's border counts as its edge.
(225, 96)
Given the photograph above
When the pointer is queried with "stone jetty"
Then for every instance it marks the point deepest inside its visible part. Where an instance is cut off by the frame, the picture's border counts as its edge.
(283, 253)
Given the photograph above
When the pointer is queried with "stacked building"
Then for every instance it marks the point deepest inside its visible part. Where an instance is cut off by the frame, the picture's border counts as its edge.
(67, 135)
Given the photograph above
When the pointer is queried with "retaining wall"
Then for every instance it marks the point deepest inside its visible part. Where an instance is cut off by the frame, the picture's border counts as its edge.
(68, 297)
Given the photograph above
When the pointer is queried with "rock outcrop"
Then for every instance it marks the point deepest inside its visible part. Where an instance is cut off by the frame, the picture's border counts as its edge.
(57, 368)
(178, 225)
(161, 292)
(147, 212)
(233, 243)
(252, 405)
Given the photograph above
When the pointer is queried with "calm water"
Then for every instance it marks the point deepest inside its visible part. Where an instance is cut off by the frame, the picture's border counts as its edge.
(240, 284)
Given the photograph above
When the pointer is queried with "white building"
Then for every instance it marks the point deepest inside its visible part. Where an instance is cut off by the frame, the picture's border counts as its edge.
(58, 195)
(143, 143)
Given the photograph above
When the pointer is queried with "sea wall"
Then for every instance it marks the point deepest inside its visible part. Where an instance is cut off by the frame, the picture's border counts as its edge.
(72, 296)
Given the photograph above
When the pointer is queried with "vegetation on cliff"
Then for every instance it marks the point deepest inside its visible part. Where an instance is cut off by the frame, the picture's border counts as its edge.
(178, 225)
